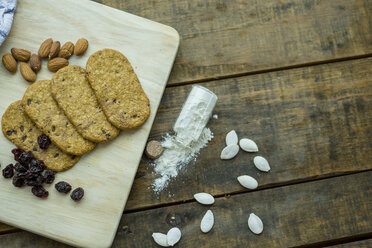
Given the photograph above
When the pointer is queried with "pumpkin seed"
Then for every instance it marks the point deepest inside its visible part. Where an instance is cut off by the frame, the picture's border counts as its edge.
(231, 138)
(160, 239)
(255, 224)
(248, 145)
(173, 236)
(248, 182)
(204, 198)
(261, 163)
(207, 222)
(229, 151)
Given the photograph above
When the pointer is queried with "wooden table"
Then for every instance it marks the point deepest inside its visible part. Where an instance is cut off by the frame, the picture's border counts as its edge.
(296, 77)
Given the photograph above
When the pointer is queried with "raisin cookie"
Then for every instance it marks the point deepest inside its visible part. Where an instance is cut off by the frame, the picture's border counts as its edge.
(18, 128)
(71, 90)
(117, 88)
(42, 109)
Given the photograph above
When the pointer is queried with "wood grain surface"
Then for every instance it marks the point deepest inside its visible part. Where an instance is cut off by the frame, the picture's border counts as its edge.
(357, 244)
(107, 172)
(310, 122)
(309, 213)
(224, 38)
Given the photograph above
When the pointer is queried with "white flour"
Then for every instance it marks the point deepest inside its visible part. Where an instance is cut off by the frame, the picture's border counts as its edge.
(191, 135)
(176, 156)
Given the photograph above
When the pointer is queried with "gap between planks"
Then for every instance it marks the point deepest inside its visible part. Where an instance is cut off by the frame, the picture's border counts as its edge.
(267, 187)
(341, 241)
(284, 68)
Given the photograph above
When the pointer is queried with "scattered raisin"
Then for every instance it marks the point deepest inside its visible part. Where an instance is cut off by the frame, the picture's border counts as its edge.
(39, 191)
(35, 181)
(63, 187)
(20, 168)
(19, 180)
(25, 158)
(37, 166)
(43, 141)
(8, 171)
(17, 152)
(22, 128)
(77, 194)
(49, 176)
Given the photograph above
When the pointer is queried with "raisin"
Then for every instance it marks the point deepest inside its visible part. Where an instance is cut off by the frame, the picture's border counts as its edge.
(17, 152)
(35, 181)
(77, 194)
(37, 166)
(43, 141)
(8, 171)
(25, 158)
(30, 175)
(20, 168)
(39, 191)
(19, 180)
(49, 176)
(63, 187)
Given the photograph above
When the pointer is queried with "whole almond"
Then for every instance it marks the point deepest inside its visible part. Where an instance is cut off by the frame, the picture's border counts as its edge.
(54, 49)
(56, 64)
(10, 63)
(21, 54)
(80, 47)
(35, 62)
(66, 50)
(44, 49)
(27, 72)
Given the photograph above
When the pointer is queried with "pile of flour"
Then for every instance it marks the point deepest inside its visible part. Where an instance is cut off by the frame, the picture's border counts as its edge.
(176, 156)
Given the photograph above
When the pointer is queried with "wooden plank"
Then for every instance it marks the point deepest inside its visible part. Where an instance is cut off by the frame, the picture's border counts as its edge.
(308, 213)
(5, 228)
(357, 244)
(309, 123)
(220, 38)
(110, 169)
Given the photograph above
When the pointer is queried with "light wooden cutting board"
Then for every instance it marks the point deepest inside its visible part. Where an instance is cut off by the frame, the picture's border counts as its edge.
(107, 172)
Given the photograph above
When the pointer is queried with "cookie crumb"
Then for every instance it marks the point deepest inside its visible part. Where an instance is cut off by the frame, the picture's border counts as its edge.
(153, 149)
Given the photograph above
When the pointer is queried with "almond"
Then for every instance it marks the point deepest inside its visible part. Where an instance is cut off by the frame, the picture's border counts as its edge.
(10, 63)
(27, 72)
(56, 64)
(35, 62)
(66, 50)
(21, 54)
(54, 49)
(44, 49)
(80, 47)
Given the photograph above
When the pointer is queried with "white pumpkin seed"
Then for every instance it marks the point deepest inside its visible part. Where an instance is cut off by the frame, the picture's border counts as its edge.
(173, 236)
(261, 163)
(255, 224)
(229, 151)
(231, 138)
(248, 182)
(204, 198)
(160, 239)
(248, 145)
(207, 222)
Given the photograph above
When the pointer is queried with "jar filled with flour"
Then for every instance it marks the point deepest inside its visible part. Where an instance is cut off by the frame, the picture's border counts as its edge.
(195, 114)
